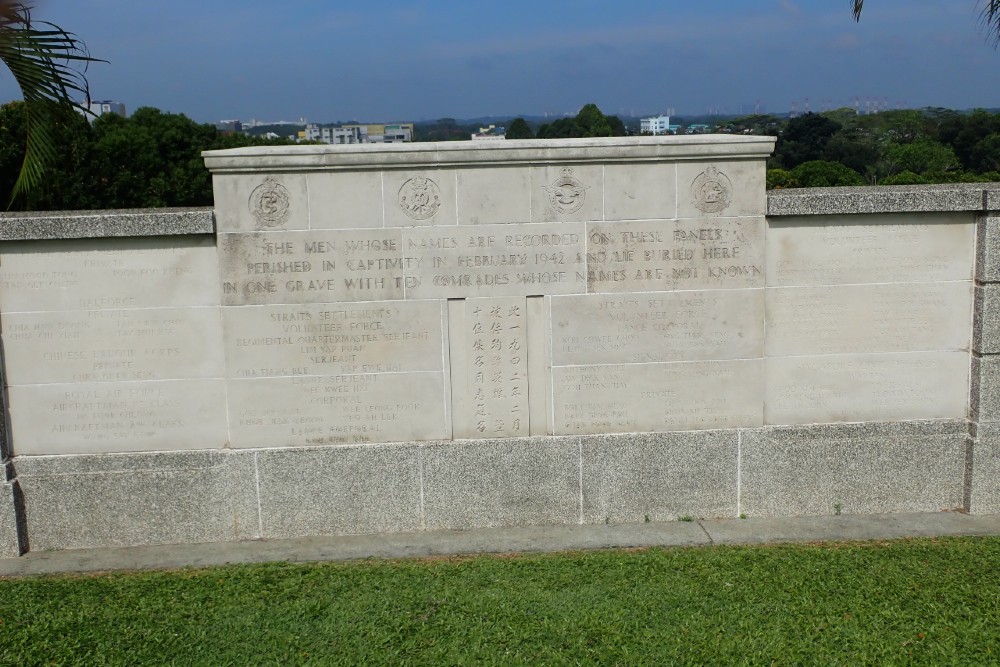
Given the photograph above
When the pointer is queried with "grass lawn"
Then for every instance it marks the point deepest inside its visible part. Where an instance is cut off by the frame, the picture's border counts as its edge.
(934, 602)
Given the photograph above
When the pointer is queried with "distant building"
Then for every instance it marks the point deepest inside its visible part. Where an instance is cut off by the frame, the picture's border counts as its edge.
(359, 134)
(490, 133)
(229, 126)
(655, 125)
(101, 107)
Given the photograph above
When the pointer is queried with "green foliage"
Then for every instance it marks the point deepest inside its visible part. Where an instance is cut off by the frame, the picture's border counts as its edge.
(519, 129)
(907, 602)
(825, 174)
(781, 178)
(589, 122)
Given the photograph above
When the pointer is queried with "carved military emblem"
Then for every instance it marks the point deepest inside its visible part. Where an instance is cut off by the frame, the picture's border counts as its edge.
(567, 194)
(420, 198)
(269, 203)
(712, 191)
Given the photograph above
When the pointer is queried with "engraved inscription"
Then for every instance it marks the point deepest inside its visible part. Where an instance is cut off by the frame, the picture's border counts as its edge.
(498, 367)
(269, 204)
(567, 194)
(419, 198)
(711, 191)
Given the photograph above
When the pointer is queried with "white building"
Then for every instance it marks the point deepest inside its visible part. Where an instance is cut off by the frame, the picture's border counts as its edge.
(655, 125)
(101, 107)
(359, 134)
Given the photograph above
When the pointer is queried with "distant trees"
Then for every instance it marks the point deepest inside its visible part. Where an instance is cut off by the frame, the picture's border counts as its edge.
(519, 129)
(589, 122)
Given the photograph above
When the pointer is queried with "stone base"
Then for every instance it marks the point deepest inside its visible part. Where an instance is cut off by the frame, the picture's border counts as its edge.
(984, 497)
(198, 496)
(9, 545)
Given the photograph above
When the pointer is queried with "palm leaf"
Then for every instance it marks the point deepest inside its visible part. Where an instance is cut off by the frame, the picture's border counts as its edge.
(989, 18)
(48, 64)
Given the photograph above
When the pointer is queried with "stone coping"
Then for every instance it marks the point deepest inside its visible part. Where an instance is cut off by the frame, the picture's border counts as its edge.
(514, 153)
(884, 199)
(40, 225)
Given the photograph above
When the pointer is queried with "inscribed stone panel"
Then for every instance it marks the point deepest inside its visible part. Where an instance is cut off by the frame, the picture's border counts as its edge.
(495, 260)
(260, 202)
(640, 191)
(104, 274)
(657, 327)
(315, 339)
(345, 200)
(654, 255)
(658, 397)
(494, 196)
(870, 249)
(337, 409)
(112, 345)
(311, 267)
(419, 198)
(570, 193)
(900, 317)
(94, 418)
(721, 189)
(867, 387)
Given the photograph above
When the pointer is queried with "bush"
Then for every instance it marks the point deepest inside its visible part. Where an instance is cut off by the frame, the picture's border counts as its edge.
(825, 174)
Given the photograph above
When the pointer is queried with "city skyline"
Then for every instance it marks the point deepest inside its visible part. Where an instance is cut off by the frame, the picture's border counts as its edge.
(397, 61)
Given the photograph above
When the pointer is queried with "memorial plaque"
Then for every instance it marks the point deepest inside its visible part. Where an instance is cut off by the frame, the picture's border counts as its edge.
(493, 341)
(260, 202)
(316, 339)
(658, 397)
(100, 417)
(657, 327)
(312, 267)
(420, 198)
(494, 196)
(721, 189)
(899, 317)
(640, 191)
(495, 260)
(870, 249)
(337, 409)
(113, 345)
(107, 274)
(345, 200)
(649, 255)
(567, 192)
(867, 387)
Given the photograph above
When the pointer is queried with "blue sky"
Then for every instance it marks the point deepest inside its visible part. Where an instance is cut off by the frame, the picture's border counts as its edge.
(386, 60)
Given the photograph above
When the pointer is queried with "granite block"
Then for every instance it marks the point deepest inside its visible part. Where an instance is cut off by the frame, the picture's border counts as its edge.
(866, 468)
(80, 502)
(988, 249)
(349, 490)
(984, 473)
(986, 320)
(881, 199)
(991, 197)
(494, 483)
(634, 478)
(97, 224)
(9, 543)
(984, 395)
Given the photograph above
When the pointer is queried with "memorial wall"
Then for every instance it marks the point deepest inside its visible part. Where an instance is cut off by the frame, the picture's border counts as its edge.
(534, 297)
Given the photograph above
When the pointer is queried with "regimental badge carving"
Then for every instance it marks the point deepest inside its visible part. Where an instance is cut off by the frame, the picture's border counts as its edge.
(420, 198)
(567, 194)
(269, 204)
(712, 191)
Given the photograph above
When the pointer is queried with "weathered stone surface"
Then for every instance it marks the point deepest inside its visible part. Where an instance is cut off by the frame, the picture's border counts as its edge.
(80, 502)
(631, 398)
(345, 200)
(645, 255)
(301, 410)
(108, 274)
(113, 345)
(657, 327)
(419, 198)
(984, 399)
(260, 202)
(841, 319)
(319, 339)
(984, 480)
(988, 248)
(9, 543)
(866, 387)
(37, 225)
(510, 482)
(724, 189)
(873, 468)
(102, 417)
(494, 196)
(640, 191)
(567, 193)
(637, 478)
(339, 490)
(870, 249)
(882, 199)
(986, 325)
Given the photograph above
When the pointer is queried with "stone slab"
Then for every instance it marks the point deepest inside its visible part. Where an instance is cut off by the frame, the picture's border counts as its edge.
(339, 490)
(988, 248)
(632, 398)
(318, 339)
(836, 250)
(640, 191)
(984, 480)
(494, 196)
(984, 399)
(345, 200)
(337, 409)
(866, 387)
(37, 225)
(567, 193)
(495, 260)
(260, 202)
(639, 478)
(657, 255)
(311, 267)
(724, 189)
(509, 482)
(108, 274)
(113, 345)
(872, 468)
(657, 327)
(893, 317)
(883, 199)
(419, 198)
(84, 502)
(10, 546)
(102, 417)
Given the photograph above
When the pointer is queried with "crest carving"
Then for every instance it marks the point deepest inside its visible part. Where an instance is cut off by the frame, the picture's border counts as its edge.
(420, 198)
(269, 204)
(567, 194)
(712, 191)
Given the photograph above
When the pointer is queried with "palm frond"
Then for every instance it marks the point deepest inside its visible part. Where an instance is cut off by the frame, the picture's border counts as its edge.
(49, 65)
(858, 5)
(989, 18)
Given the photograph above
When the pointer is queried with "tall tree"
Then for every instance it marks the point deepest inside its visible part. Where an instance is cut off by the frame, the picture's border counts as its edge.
(989, 16)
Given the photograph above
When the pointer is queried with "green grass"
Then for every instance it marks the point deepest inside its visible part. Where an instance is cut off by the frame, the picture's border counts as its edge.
(931, 602)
